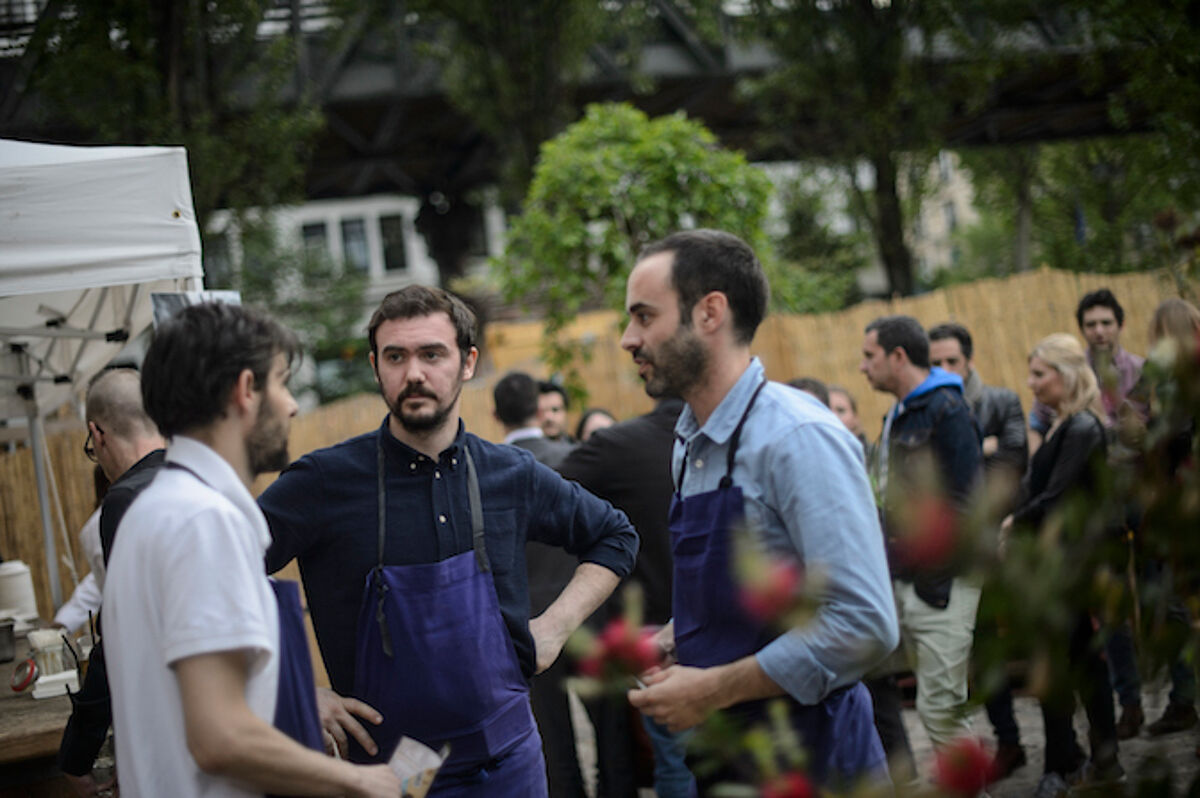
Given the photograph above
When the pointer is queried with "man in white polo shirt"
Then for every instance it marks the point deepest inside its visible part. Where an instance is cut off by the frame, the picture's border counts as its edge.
(193, 629)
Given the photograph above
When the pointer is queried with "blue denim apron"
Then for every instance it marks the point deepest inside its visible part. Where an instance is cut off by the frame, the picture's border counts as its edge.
(435, 658)
(296, 696)
(711, 628)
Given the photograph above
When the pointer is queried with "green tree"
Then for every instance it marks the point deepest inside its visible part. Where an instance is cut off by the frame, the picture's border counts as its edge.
(512, 66)
(820, 264)
(604, 188)
(858, 81)
(189, 74)
(1091, 205)
(319, 299)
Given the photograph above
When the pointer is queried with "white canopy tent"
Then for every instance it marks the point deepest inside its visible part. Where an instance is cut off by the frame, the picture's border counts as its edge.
(86, 235)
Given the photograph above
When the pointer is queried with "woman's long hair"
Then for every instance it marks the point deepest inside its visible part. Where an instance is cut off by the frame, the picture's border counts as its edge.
(1177, 319)
(1063, 353)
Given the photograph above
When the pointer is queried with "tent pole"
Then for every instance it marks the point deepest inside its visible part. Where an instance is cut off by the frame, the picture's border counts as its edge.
(37, 439)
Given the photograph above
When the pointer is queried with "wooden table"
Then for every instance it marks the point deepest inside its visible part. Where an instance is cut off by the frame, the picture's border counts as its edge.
(29, 727)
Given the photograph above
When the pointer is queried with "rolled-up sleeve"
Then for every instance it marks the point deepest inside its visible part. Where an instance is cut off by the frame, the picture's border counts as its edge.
(819, 494)
(566, 515)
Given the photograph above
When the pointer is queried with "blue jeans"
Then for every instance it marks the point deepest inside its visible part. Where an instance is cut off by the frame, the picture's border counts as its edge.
(672, 779)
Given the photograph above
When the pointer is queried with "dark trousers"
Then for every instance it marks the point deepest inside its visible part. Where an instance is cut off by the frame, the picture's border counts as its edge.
(617, 775)
(1000, 712)
(1088, 671)
(887, 702)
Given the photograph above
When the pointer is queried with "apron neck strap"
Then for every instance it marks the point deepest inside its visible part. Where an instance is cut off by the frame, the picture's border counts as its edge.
(734, 440)
(473, 500)
(736, 437)
(477, 540)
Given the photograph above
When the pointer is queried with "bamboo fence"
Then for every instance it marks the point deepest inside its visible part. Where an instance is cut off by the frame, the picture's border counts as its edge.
(1006, 318)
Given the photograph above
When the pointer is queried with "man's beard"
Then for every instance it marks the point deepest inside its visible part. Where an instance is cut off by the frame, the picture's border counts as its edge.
(424, 421)
(267, 443)
(679, 364)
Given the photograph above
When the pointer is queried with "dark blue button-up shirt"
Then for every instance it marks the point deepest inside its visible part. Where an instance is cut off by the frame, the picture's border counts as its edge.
(322, 511)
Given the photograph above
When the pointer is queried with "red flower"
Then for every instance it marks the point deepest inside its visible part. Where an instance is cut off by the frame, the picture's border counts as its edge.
(622, 648)
(963, 768)
(789, 785)
(929, 537)
(774, 593)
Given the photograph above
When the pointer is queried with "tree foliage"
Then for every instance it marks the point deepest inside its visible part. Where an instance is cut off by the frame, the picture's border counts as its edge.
(604, 188)
(319, 299)
(511, 66)
(858, 82)
(1094, 205)
(189, 74)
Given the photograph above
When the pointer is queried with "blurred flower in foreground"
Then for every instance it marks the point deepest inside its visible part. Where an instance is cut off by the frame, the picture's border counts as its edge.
(789, 785)
(963, 768)
(621, 649)
(928, 532)
(773, 588)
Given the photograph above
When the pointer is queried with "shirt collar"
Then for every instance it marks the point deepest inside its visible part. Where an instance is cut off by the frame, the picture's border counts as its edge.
(403, 453)
(524, 434)
(724, 419)
(216, 472)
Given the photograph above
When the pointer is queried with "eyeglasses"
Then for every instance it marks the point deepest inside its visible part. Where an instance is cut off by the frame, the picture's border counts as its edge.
(88, 448)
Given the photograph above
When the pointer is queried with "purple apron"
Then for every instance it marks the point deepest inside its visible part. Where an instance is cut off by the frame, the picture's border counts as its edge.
(435, 658)
(296, 703)
(295, 697)
(711, 628)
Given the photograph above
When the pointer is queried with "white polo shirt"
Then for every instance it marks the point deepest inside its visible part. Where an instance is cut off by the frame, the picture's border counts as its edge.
(185, 578)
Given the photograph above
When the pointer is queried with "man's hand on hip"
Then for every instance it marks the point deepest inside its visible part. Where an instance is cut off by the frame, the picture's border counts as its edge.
(337, 719)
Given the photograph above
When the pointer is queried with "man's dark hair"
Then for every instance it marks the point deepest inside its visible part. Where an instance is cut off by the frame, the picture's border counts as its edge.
(196, 357)
(902, 332)
(955, 330)
(415, 301)
(549, 386)
(813, 386)
(710, 260)
(1101, 297)
(516, 398)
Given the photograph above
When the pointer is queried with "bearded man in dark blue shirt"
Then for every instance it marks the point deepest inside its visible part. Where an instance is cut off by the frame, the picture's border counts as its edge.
(418, 530)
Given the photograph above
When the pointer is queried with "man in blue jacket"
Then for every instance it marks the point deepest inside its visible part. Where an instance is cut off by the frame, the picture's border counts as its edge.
(925, 466)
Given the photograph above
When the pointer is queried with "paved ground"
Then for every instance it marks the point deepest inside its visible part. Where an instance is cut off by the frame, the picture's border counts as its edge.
(1179, 750)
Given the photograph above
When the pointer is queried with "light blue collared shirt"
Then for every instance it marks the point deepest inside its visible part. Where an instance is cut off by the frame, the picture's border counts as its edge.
(806, 493)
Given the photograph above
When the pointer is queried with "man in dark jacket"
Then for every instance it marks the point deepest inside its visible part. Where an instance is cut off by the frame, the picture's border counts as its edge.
(925, 466)
(1005, 453)
(629, 464)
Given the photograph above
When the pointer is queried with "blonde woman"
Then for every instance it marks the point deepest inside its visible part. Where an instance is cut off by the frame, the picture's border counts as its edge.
(1061, 378)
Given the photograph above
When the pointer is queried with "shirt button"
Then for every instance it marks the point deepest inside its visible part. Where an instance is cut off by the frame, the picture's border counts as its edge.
(699, 463)
(437, 474)
(412, 466)
(441, 519)
(453, 461)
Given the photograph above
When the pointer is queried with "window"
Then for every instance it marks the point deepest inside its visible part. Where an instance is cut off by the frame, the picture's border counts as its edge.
(391, 232)
(314, 236)
(218, 261)
(354, 244)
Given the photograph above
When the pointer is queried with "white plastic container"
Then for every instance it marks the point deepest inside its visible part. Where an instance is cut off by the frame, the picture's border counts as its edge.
(16, 589)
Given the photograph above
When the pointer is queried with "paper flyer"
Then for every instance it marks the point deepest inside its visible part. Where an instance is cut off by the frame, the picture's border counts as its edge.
(415, 765)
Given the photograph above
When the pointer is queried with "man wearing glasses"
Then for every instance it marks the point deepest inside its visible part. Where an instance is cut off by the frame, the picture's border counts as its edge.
(126, 445)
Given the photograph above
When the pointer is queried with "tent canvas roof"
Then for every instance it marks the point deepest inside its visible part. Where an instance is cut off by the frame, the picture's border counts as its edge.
(86, 234)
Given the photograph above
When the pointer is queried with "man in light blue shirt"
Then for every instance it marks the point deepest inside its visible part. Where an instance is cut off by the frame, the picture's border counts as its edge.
(756, 450)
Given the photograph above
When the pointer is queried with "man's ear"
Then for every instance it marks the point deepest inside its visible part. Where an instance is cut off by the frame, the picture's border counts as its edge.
(374, 369)
(243, 397)
(710, 312)
(468, 366)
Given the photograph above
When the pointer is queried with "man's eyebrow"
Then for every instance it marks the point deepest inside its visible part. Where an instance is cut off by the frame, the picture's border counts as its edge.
(637, 307)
